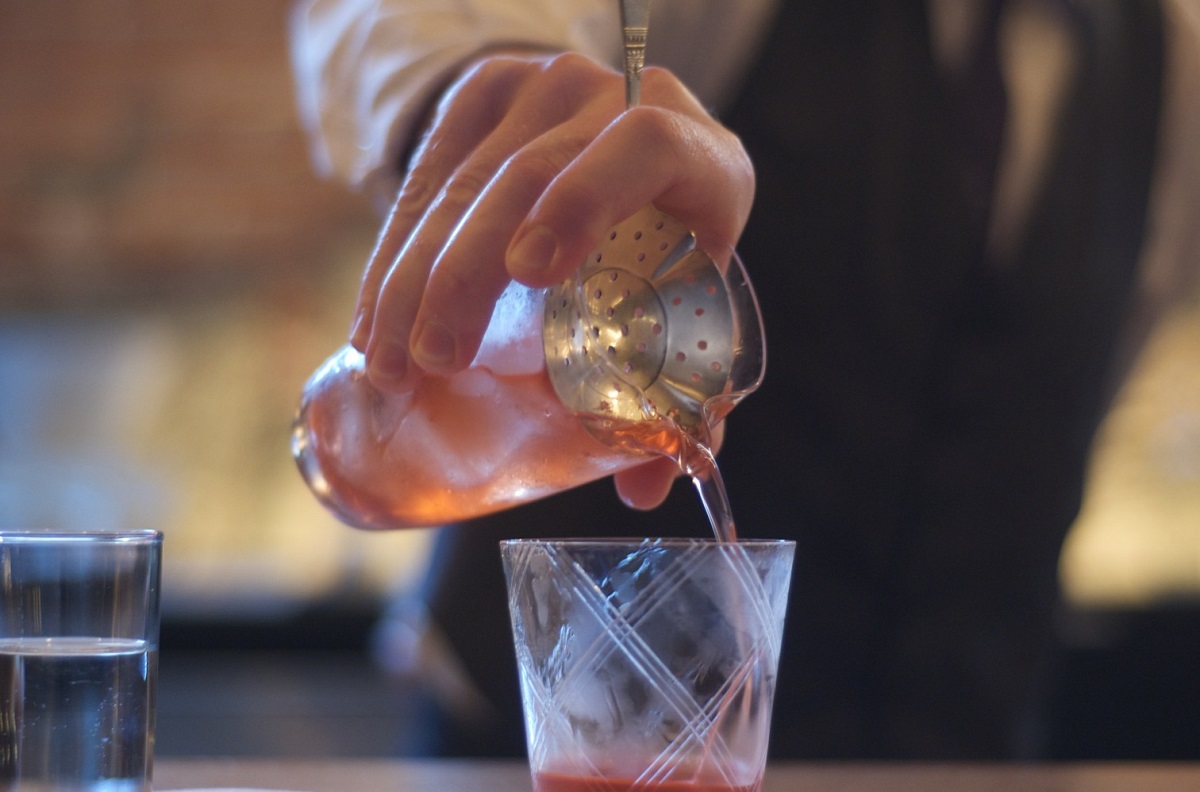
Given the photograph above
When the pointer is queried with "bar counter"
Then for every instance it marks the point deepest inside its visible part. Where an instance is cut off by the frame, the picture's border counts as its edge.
(372, 775)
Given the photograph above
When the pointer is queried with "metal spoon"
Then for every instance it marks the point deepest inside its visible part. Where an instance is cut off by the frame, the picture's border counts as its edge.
(635, 22)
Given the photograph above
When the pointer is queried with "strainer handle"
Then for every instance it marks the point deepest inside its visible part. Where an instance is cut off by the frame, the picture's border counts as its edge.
(635, 21)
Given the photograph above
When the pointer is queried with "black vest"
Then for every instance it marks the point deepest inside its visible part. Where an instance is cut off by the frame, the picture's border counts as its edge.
(927, 413)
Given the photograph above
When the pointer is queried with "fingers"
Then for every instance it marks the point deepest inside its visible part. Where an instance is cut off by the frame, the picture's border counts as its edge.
(431, 306)
(530, 161)
(460, 122)
(671, 155)
(406, 285)
(403, 216)
(469, 273)
(646, 486)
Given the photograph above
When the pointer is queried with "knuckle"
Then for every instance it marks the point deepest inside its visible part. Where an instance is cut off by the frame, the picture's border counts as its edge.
(659, 79)
(648, 120)
(571, 73)
(490, 72)
(415, 194)
(481, 93)
(461, 190)
(654, 126)
(661, 86)
(537, 165)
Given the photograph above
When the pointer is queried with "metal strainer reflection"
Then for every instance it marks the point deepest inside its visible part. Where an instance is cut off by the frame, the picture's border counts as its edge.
(651, 327)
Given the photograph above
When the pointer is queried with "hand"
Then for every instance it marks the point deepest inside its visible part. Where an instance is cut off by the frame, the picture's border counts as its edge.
(529, 160)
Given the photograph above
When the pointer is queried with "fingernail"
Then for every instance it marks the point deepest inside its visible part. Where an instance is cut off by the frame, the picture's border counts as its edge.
(534, 251)
(390, 362)
(435, 345)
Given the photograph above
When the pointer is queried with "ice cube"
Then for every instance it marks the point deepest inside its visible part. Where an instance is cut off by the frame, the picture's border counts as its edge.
(425, 438)
(512, 344)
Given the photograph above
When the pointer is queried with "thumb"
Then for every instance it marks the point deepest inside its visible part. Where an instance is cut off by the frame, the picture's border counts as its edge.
(646, 486)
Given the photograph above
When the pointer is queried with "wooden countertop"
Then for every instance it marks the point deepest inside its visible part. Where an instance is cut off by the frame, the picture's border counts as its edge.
(318, 775)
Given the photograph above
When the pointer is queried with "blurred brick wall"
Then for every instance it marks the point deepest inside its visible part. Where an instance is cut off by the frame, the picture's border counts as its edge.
(151, 148)
(171, 271)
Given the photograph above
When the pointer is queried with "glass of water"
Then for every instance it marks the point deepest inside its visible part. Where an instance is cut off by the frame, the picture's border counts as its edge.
(647, 664)
(78, 659)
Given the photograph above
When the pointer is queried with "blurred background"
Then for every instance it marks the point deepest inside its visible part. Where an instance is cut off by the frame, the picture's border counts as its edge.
(171, 271)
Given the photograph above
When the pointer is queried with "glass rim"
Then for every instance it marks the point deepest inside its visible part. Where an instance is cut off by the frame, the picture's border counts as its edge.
(134, 536)
(645, 541)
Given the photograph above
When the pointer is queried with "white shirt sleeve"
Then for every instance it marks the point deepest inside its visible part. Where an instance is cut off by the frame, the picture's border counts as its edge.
(366, 70)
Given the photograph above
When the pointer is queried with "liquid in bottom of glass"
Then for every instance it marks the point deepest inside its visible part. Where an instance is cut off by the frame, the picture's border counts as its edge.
(554, 782)
(92, 729)
(647, 665)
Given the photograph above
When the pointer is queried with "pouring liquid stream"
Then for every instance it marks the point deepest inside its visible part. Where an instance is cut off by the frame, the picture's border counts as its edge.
(664, 436)
(694, 455)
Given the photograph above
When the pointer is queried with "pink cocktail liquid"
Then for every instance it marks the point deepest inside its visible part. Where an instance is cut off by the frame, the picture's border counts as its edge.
(485, 439)
(455, 448)
(490, 437)
(556, 782)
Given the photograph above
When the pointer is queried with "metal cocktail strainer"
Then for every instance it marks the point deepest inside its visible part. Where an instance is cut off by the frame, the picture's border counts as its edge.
(651, 327)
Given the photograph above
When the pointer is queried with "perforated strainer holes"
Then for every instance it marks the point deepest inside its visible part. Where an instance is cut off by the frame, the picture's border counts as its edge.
(633, 306)
(700, 367)
(695, 376)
